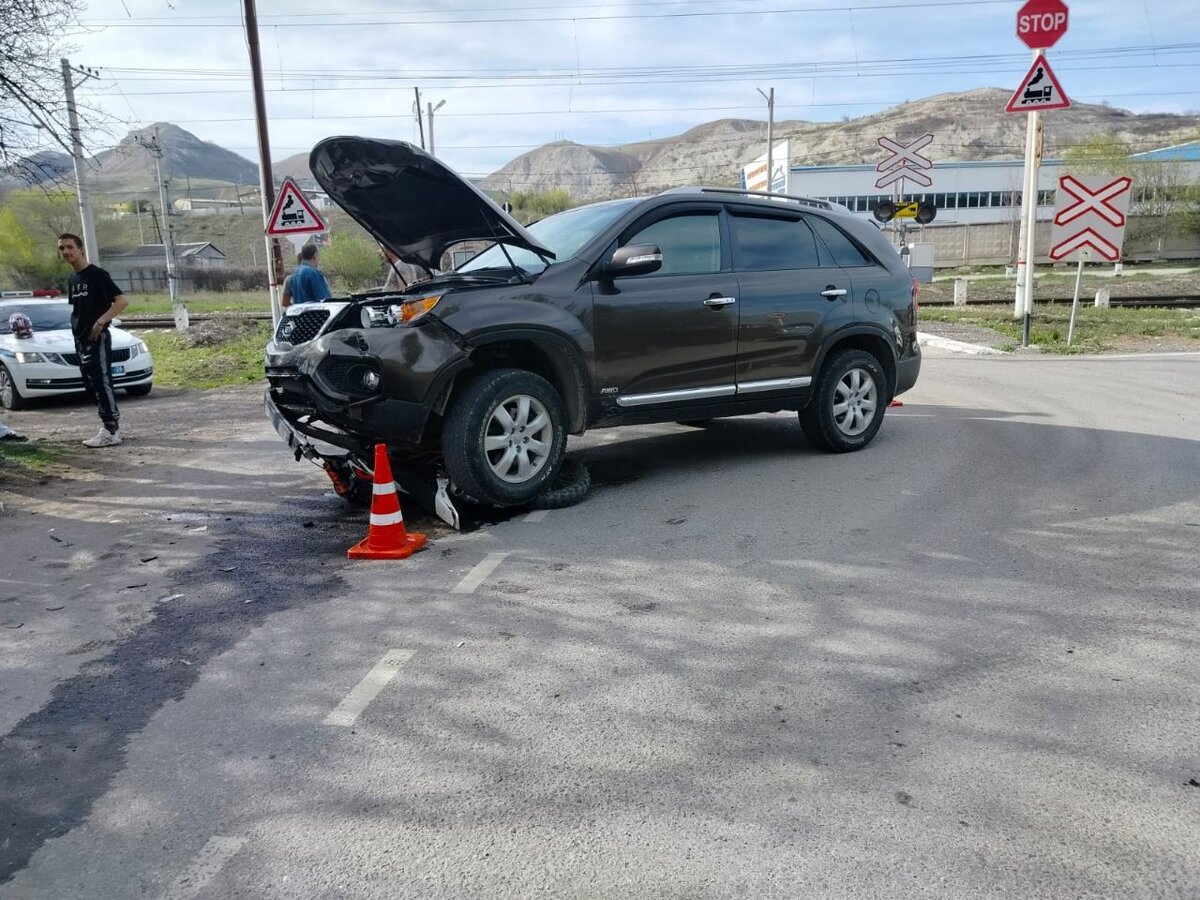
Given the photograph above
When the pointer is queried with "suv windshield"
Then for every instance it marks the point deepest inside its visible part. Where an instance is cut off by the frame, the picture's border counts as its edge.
(563, 233)
(45, 316)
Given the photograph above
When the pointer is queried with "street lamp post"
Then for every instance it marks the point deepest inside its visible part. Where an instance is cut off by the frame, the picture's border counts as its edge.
(770, 98)
(432, 110)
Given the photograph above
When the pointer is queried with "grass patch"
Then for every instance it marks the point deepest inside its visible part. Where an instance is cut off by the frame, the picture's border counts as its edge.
(19, 460)
(200, 302)
(209, 359)
(1096, 330)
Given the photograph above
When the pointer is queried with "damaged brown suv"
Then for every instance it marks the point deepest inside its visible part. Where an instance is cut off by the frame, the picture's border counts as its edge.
(693, 304)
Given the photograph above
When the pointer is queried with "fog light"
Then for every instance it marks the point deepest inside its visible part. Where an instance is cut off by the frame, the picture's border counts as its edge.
(370, 381)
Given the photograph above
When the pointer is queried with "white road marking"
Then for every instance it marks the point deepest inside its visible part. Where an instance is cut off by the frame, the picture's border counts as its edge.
(205, 866)
(537, 515)
(476, 576)
(347, 712)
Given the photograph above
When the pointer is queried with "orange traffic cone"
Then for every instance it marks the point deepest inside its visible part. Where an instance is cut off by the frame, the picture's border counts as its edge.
(386, 538)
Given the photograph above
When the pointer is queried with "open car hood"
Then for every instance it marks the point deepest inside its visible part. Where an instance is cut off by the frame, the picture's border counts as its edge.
(409, 201)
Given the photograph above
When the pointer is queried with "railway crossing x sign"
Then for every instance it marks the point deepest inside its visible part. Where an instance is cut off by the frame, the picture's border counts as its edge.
(904, 162)
(1090, 213)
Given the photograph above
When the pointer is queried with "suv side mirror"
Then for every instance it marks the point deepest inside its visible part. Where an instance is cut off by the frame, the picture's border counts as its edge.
(634, 259)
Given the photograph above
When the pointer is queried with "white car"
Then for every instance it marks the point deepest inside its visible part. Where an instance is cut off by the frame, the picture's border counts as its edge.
(46, 364)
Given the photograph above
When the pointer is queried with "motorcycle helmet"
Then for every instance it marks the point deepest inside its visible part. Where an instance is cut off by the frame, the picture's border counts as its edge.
(19, 325)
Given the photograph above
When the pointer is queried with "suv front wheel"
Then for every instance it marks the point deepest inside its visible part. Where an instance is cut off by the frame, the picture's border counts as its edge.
(847, 405)
(503, 439)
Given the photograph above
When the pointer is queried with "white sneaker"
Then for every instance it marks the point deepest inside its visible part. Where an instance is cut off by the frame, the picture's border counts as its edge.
(104, 438)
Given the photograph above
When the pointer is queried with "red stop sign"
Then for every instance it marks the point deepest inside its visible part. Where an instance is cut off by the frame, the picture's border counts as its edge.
(1040, 23)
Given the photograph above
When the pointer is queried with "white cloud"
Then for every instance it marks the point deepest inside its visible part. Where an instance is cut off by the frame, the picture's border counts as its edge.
(484, 124)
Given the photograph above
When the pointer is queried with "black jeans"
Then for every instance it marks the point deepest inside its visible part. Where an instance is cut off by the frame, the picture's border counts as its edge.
(95, 364)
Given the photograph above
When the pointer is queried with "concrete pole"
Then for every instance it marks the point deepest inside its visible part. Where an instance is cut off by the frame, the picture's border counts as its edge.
(266, 179)
(90, 247)
(177, 307)
(769, 96)
(1031, 224)
(1027, 199)
(430, 105)
(420, 120)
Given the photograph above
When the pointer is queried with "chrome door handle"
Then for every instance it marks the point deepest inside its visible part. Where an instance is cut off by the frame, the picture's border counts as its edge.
(718, 302)
(832, 293)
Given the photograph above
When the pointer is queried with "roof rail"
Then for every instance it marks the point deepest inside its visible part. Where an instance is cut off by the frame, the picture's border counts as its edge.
(803, 201)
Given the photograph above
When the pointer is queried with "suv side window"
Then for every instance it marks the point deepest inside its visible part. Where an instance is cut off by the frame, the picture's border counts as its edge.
(843, 250)
(690, 244)
(768, 243)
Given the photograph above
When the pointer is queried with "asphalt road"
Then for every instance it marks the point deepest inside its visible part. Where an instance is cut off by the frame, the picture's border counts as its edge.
(960, 664)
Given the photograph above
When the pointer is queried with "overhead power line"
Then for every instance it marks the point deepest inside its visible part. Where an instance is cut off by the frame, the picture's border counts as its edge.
(376, 18)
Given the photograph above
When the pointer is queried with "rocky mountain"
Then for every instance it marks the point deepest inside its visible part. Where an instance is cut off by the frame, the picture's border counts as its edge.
(38, 168)
(970, 125)
(295, 167)
(130, 165)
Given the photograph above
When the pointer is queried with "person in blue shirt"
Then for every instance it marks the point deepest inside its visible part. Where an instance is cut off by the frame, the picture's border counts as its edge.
(306, 284)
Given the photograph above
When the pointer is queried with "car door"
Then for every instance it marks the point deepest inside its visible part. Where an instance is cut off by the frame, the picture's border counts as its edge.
(670, 335)
(879, 295)
(791, 296)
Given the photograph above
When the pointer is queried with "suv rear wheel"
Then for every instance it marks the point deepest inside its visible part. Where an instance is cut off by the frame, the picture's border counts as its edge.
(503, 439)
(847, 406)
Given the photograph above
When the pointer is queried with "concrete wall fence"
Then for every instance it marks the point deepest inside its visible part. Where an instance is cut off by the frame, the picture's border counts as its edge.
(995, 244)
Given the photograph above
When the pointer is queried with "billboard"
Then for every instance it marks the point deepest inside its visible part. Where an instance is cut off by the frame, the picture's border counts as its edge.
(754, 176)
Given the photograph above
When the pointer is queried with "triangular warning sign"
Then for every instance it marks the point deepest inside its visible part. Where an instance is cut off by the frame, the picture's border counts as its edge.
(293, 213)
(1040, 90)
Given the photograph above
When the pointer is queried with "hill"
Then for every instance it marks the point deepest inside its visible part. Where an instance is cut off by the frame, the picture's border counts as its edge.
(130, 165)
(967, 126)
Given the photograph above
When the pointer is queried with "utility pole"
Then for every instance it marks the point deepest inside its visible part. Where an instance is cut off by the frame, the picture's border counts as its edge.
(168, 237)
(90, 247)
(770, 98)
(266, 179)
(432, 110)
(420, 121)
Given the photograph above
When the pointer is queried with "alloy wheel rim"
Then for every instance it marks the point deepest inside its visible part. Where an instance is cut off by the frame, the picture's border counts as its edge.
(518, 439)
(6, 388)
(855, 402)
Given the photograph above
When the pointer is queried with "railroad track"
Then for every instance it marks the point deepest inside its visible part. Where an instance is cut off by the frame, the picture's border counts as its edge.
(153, 322)
(1183, 302)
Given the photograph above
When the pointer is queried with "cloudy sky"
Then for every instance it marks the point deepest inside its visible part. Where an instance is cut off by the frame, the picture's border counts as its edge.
(515, 74)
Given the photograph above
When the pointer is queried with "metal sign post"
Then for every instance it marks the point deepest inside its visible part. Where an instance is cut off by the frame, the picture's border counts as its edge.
(1075, 301)
(1040, 25)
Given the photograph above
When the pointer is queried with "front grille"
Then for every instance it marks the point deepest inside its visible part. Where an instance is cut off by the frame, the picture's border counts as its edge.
(302, 327)
(72, 359)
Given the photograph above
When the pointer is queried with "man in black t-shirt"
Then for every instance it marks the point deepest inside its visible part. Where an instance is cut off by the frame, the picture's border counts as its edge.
(95, 302)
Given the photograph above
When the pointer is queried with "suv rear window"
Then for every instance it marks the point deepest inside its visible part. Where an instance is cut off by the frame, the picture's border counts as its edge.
(767, 243)
(843, 250)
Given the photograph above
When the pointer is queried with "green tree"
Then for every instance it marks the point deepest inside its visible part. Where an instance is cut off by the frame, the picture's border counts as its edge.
(26, 263)
(352, 262)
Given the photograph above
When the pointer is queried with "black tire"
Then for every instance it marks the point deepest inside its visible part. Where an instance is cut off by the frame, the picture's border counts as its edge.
(138, 390)
(474, 421)
(10, 397)
(696, 423)
(847, 406)
(573, 484)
